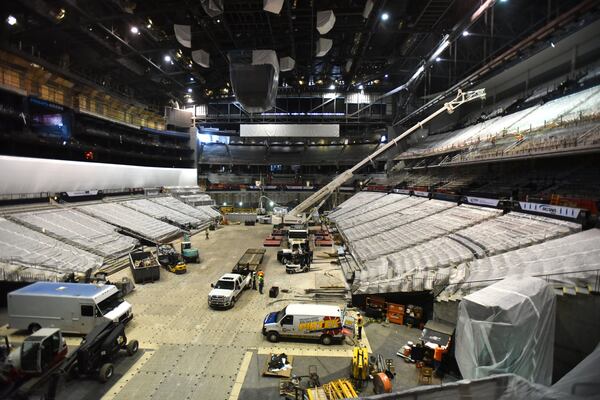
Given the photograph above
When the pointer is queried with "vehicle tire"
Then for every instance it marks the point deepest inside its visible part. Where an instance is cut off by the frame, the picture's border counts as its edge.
(273, 337)
(233, 302)
(106, 372)
(306, 269)
(33, 328)
(132, 347)
(326, 340)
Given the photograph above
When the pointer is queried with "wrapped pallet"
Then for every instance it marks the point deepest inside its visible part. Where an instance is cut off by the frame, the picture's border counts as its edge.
(508, 327)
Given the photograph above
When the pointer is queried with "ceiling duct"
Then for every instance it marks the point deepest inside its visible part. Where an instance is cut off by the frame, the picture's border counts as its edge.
(254, 77)
(325, 21)
(323, 46)
(183, 34)
(201, 58)
(212, 7)
(273, 6)
(286, 64)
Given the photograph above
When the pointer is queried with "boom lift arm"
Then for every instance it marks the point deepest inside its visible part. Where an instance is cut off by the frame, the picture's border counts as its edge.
(319, 197)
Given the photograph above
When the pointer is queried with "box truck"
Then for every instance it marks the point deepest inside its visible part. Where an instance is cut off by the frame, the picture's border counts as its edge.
(318, 321)
(71, 307)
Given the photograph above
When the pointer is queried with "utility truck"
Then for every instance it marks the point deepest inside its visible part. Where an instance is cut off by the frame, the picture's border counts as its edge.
(326, 323)
(71, 307)
(228, 290)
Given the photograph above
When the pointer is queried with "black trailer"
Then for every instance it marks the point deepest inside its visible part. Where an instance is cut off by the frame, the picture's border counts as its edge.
(144, 266)
(249, 262)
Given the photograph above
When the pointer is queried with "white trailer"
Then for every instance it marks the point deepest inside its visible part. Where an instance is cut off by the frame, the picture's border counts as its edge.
(71, 307)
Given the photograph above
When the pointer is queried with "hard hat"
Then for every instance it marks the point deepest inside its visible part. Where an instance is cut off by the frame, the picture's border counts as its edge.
(260, 273)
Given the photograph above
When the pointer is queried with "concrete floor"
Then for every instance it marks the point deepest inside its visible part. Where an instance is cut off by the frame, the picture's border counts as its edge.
(189, 351)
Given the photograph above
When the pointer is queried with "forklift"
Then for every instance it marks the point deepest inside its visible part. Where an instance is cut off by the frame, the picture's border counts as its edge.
(189, 253)
(170, 259)
(298, 259)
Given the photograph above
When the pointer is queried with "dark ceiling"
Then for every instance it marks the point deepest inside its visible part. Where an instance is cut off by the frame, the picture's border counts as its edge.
(93, 39)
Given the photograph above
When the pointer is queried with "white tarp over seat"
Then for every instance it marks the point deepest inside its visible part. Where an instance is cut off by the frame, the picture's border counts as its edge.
(30, 251)
(508, 327)
(81, 230)
(133, 221)
(571, 261)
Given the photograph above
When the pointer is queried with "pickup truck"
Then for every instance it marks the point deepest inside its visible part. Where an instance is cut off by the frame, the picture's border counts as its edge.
(228, 289)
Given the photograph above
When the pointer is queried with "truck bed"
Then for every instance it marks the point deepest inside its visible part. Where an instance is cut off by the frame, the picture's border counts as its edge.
(250, 260)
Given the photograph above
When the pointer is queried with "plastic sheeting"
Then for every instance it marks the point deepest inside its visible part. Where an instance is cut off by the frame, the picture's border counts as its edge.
(81, 230)
(133, 221)
(164, 213)
(572, 261)
(21, 246)
(184, 208)
(508, 327)
(497, 387)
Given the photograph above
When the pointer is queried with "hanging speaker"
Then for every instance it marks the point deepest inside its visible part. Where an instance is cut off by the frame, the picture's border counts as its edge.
(325, 21)
(183, 34)
(273, 6)
(323, 46)
(368, 8)
(212, 7)
(201, 58)
(286, 64)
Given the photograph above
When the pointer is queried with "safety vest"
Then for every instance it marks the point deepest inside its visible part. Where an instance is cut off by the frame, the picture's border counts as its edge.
(359, 322)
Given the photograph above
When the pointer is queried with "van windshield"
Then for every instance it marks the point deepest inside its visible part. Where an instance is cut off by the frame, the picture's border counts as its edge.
(280, 314)
(228, 285)
(110, 303)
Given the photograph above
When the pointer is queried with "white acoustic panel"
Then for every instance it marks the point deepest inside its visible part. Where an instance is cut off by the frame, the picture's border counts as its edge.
(183, 34)
(325, 21)
(286, 64)
(273, 6)
(368, 8)
(201, 58)
(289, 130)
(323, 46)
(35, 175)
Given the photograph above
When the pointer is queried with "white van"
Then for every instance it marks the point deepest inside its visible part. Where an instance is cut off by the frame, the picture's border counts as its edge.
(71, 307)
(318, 321)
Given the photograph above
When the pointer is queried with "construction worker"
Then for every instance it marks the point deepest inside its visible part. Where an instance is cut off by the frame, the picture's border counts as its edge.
(261, 281)
(206, 234)
(359, 325)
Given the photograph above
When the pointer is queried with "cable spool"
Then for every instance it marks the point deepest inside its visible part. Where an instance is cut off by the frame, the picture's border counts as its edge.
(382, 383)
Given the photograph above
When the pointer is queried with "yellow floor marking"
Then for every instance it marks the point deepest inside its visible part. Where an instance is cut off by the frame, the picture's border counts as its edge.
(239, 379)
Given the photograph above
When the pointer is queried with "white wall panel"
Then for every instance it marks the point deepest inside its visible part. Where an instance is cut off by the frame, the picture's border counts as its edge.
(34, 175)
(289, 130)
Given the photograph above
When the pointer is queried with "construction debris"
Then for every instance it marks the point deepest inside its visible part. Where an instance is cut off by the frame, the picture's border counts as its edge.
(279, 365)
